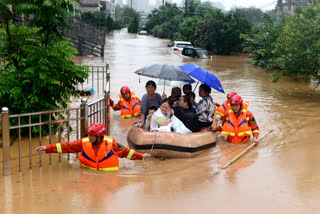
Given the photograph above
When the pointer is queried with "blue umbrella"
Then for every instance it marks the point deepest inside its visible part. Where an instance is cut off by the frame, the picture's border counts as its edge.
(203, 76)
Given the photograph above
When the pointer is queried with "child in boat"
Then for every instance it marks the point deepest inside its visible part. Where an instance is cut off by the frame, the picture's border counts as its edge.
(151, 111)
(162, 117)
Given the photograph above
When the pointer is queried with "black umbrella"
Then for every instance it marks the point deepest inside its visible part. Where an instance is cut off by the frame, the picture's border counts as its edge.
(165, 72)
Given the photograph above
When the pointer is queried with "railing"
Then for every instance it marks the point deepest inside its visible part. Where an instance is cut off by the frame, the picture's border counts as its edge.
(78, 119)
(99, 78)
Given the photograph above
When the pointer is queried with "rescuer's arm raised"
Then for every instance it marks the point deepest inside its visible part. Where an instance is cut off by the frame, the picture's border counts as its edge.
(65, 147)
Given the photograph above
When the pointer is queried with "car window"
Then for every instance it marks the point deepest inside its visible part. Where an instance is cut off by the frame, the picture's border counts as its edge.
(189, 52)
(203, 53)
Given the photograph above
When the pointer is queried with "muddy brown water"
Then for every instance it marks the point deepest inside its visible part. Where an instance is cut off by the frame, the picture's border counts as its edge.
(281, 175)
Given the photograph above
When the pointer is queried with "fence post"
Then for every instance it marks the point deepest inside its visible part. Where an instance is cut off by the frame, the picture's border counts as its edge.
(84, 117)
(102, 50)
(6, 141)
(107, 110)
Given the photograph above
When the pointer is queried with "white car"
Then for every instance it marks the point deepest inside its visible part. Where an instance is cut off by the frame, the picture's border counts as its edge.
(179, 45)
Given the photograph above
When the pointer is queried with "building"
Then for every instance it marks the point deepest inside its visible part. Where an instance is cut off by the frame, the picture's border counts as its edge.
(139, 5)
(90, 5)
(120, 2)
(288, 6)
(109, 7)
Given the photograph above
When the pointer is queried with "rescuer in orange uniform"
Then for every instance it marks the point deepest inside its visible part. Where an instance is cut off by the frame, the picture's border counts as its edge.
(239, 123)
(129, 104)
(224, 108)
(97, 151)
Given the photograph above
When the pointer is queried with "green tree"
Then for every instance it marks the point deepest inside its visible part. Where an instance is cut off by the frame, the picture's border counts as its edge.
(187, 29)
(298, 45)
(133, 26)
(220, 32)
(128, 14)
(99, 19)
(38, 73)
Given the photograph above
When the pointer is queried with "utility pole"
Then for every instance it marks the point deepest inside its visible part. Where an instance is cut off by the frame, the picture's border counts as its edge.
(163, 2)
(131, 4)
(186, 8)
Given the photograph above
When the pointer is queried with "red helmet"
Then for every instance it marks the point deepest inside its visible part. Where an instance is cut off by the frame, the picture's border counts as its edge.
(124, 90)
(231, 94)
(235, 100)
(97, 129)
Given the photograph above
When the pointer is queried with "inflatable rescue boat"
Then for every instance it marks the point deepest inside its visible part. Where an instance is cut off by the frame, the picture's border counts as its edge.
(169, 144)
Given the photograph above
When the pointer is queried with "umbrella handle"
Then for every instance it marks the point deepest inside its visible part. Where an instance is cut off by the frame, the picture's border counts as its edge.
(195, 87)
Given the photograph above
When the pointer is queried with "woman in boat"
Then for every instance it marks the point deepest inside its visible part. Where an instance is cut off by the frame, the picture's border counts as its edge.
(149, 99)
(206, 107)
(162, 117)
(175, 95)
(185, 113)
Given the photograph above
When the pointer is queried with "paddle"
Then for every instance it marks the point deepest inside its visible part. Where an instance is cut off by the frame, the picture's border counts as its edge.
(245, 151)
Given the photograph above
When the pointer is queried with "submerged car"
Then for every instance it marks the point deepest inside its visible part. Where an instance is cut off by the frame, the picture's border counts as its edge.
(143, 32)
(195, 52)
(179, 45)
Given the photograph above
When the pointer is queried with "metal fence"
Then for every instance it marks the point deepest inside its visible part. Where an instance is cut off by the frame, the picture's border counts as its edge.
(70, 121)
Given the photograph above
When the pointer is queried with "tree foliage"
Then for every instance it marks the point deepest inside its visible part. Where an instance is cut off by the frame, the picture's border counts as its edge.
(37, 72)
(220, 32)
(290, 47)
(98, 19)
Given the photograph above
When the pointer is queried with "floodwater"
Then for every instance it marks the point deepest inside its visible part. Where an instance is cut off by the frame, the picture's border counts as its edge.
(281, 175)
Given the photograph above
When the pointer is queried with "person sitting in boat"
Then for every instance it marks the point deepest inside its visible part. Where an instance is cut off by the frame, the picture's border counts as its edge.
(206, 107)
(129, 104)
(185, 114)
(192, 97)
(149, 99)
(97, 151)
(239, 123)
(162, 117)
(175, 95)
(186, 89)
(151, 111)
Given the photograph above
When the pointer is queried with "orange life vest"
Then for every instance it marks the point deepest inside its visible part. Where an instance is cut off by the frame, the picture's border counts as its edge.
(106, 159)
(225, 107)
(237, 129)
(131, 108)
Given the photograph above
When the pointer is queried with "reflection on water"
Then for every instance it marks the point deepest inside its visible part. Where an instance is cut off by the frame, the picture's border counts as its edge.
(279, 176)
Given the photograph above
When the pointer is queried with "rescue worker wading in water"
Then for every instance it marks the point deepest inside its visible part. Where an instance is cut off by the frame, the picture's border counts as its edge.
(239, 123)
(97, 151)
(129, 104)
(224, 108)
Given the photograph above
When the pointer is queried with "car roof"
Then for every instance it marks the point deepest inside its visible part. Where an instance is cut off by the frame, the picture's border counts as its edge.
(196, 48)
(182, 42)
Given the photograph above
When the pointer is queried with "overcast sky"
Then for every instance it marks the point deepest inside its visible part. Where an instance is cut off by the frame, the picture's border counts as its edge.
(228, 4)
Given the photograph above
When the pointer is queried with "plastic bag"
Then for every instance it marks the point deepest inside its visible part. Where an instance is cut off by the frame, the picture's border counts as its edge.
(166, 128)
(178, 126)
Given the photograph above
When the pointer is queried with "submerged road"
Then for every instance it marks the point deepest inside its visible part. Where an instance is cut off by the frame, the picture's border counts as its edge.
(281, 175)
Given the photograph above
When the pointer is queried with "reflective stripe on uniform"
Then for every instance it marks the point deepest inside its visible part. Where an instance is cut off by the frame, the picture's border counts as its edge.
(85, 166)
(59, 148)
(130, 154)
(107, 139)
(220, 113)
(242, 133)
(109, 169)
(135, 114)
(125, 116)
(255, 131)
(228, 133)
(85, 139)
